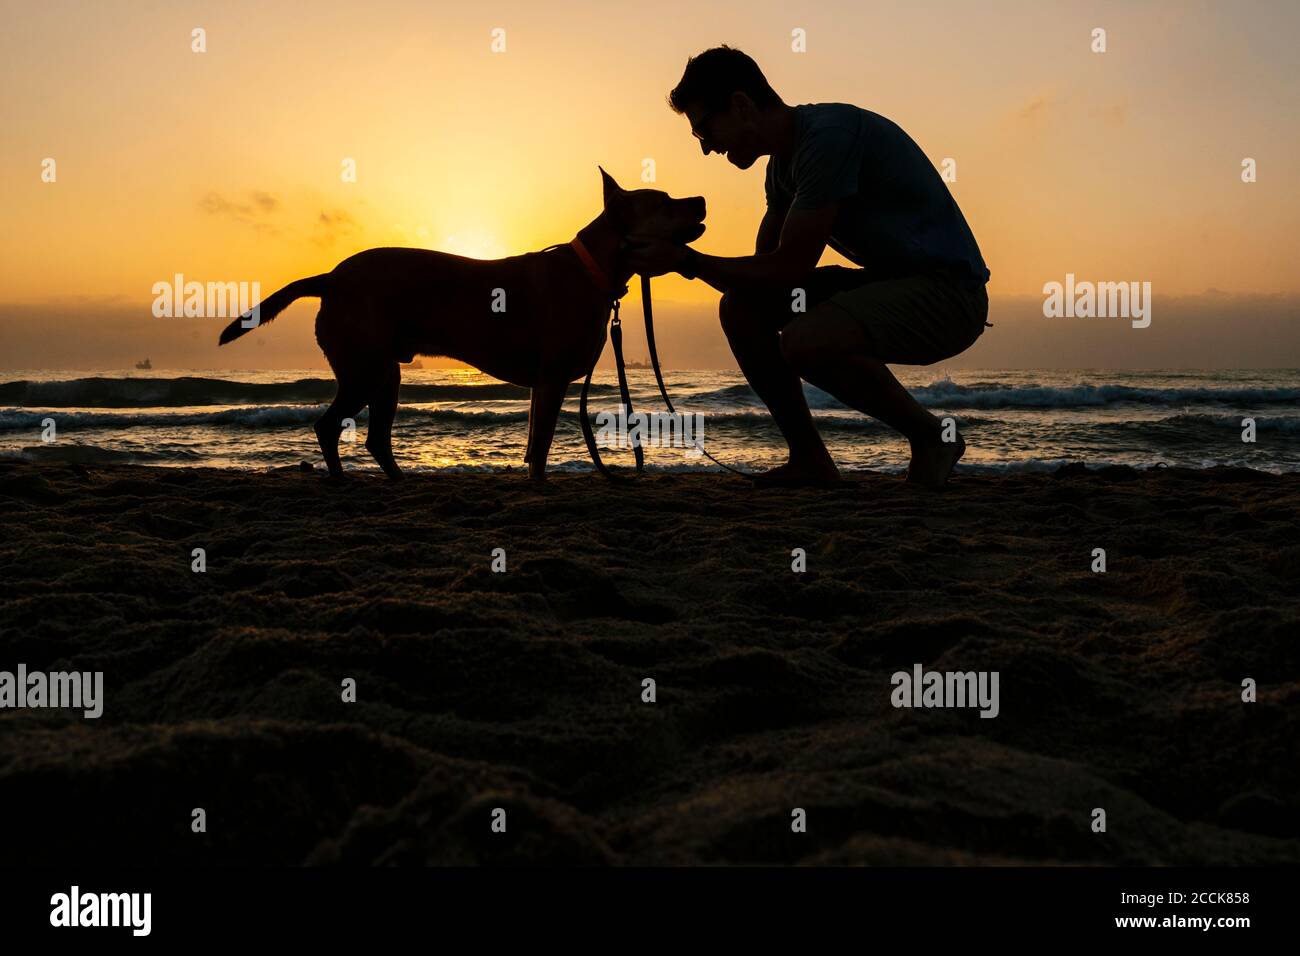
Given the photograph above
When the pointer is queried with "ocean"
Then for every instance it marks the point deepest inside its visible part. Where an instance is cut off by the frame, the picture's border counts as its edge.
(462, 420)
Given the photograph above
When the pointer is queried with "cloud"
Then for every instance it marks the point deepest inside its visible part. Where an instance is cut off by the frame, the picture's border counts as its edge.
(1046, 107)
(337, 218)
(257, 209)
(250, 213)
(1112, 114)
(1037, 108)
(332, 224)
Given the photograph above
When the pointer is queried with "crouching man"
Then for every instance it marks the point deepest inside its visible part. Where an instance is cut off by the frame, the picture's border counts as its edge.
(843, 177)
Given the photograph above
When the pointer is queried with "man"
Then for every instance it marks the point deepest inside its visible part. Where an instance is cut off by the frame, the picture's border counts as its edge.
(848, 178)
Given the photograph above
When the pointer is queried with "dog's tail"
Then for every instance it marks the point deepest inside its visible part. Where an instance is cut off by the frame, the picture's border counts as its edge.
(273, 305)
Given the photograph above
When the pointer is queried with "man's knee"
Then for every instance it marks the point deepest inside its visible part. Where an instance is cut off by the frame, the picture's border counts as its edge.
(742, 315)
(731, 312)
(802, 346)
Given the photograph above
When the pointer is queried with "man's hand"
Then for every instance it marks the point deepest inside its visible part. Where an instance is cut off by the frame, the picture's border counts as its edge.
(653, 257)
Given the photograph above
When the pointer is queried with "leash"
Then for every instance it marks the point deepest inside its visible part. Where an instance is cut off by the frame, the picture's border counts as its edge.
(615, 293)
(648, 309)
(616, 340)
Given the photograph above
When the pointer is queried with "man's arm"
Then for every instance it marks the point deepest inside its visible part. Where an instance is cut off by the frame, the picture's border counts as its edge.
(801, 238)
(769, 230)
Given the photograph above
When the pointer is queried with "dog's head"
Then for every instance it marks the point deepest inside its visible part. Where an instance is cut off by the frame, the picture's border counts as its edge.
(652, 212)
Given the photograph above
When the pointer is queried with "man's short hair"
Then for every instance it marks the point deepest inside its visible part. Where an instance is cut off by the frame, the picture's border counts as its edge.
(712, 76)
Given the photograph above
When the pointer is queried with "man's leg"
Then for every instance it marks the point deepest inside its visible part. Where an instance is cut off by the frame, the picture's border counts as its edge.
(752, 330)
(837, 347)
(868, 385)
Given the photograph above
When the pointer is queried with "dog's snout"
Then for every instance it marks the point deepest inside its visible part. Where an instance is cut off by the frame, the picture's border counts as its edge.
(697, 206)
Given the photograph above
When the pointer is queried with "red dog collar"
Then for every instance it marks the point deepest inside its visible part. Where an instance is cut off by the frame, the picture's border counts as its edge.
(597, 274)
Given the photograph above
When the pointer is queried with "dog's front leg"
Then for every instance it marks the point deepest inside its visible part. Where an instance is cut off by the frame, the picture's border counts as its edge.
(543, 414)
(532, 423)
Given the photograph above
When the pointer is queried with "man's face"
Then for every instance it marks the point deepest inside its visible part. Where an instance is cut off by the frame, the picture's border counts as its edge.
(731, 132)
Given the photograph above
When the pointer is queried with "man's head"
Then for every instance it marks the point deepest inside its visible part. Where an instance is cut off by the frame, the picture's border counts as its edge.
(652, 213)
(725, 95)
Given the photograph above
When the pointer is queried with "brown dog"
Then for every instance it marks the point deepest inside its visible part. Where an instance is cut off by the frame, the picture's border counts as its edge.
(536, 320)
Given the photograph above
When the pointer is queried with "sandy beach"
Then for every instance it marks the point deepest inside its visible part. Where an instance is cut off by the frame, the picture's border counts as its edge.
(523, 690)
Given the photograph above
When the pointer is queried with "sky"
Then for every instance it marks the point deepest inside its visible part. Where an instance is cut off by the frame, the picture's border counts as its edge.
(226, 165)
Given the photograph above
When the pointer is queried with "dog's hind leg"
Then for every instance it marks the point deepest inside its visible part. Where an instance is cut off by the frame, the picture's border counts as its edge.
(383, 409)
(532, 423)
(543, 415)
(347, 404)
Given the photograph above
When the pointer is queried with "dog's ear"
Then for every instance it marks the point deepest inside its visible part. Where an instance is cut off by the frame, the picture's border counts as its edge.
(612, 189)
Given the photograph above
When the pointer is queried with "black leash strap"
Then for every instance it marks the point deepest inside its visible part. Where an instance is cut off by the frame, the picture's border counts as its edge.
(616, 338)
(659, 376)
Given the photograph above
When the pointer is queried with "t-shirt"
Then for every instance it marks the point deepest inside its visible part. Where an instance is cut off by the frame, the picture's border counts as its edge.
(896, 214)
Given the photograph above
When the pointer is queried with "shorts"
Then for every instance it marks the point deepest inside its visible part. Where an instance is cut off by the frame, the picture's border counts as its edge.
(912, 320)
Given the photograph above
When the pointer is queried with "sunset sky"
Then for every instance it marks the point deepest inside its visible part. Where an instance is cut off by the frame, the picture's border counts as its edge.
(225, 165)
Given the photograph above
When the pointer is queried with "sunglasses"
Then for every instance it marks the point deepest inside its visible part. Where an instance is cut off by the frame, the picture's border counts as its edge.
(701, 130)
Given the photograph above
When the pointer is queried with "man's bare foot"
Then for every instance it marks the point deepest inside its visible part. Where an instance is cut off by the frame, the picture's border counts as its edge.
(932, 462)
(799, 474)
